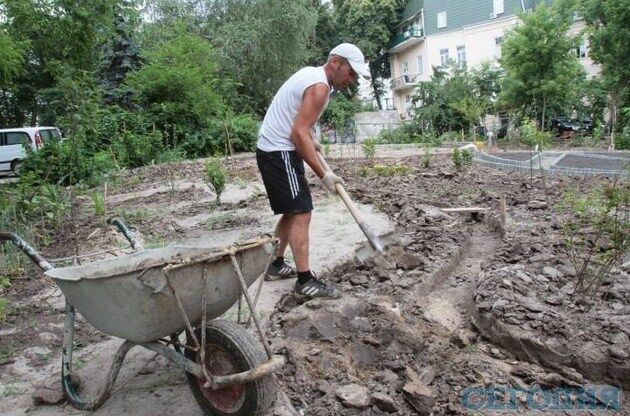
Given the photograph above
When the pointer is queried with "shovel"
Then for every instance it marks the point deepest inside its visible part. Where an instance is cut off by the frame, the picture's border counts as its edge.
(376, 251)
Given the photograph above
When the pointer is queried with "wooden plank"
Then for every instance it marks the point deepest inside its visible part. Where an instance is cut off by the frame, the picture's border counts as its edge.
(464, 210)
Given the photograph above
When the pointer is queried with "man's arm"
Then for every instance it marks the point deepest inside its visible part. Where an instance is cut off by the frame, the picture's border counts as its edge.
(313, 102)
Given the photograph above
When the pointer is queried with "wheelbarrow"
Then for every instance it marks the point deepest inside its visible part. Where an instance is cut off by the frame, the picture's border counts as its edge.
(150, 297)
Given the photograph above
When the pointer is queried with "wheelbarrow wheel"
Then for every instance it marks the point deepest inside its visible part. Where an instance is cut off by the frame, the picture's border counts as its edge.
(231, 349)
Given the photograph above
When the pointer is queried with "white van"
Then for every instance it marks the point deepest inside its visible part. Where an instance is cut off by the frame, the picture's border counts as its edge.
(11, 144)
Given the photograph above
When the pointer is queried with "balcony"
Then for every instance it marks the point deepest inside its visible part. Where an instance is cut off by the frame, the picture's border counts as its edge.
(404, 82)
(408, 38)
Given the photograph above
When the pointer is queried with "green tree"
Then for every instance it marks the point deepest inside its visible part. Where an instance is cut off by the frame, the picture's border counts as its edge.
(178, 87)
(370, 24)
(608, 29)
(542, 70)
(121, 54)
(11, 58)
(260, 43)
(62, 37)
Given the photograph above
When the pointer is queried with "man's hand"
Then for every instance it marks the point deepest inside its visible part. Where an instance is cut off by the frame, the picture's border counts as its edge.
(330, 179)
(318, 146)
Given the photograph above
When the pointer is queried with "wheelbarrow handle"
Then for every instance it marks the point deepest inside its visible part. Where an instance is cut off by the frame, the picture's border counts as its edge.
(27, 249)
(129, 235)
(375, 242)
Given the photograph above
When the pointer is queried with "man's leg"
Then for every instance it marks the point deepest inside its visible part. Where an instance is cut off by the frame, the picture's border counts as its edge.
(307, 284)
(282, 232)
(298, 240)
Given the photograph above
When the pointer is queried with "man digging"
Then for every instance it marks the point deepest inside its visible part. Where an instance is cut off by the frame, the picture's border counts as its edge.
(285, 142)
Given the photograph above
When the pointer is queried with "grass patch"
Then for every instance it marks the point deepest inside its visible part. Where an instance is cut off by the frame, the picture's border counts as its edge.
(384, 170)
(219, 220)
(5, 309)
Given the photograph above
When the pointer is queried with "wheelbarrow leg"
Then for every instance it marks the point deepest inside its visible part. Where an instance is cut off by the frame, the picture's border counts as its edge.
(69, 386)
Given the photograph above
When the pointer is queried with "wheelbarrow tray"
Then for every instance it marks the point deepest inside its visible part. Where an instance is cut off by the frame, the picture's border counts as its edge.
(130, 297)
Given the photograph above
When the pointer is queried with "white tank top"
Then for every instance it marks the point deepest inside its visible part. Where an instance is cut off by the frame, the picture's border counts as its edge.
(275, 132)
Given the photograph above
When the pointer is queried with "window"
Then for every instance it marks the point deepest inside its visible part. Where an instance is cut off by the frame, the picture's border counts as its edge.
(581, 49)
(497, 47)
(405, 70)
(497, 7)
(419, 64)
(441, 20)
(461, 55)
(443, 56)
(44, 134)
(16, 137)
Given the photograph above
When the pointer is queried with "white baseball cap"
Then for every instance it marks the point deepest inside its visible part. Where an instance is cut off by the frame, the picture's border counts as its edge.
(354, 56)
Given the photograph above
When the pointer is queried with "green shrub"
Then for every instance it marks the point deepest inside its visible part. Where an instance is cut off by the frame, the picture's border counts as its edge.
(532, 136)
(461, 158)
(384, 170)
(450, 136)
(425, 160)
(216, 176)
(622, 139)
(369, 148)
(134, 150)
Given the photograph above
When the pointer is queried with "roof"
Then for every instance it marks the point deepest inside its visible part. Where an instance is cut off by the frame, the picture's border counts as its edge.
(26, 129)
(413, 8)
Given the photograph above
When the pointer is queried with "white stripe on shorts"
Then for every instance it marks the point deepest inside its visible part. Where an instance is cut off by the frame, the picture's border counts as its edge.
(291, 175)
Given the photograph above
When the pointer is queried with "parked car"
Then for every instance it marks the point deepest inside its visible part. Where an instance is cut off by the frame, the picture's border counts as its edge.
(12, 142)
(564, 125)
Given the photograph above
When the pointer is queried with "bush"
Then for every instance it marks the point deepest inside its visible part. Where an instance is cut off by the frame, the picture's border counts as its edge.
(216, 176)
(461, 158)
(622, 139)
(369, 148)
(134, 150)
(450, 136)
(532, 136)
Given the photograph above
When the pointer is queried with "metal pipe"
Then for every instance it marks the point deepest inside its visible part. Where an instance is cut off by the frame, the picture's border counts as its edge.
(27, 249)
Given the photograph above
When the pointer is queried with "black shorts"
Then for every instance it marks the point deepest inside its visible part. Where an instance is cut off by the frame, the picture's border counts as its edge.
(283, 175)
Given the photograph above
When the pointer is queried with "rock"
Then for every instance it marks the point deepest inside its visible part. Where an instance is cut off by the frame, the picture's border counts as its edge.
(384, 402)
(353, 395)
(359, 280)
(533, 305)
(410, 261)
(418, 394)
(618, 352)
(541, 258)
(523, 276)
(484, 264)
(554, 300)
(462, 338)
(372, 340)
(51, 392)
(542, 279)
(405, 282)
(620, 338)
(48, 337)
(551, 272)
(537, 205)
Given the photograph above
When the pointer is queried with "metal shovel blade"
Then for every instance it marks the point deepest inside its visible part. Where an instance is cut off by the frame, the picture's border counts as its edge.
(389, 243)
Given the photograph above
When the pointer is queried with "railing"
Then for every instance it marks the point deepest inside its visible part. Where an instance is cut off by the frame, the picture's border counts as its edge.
(404, 81)
(405, 36)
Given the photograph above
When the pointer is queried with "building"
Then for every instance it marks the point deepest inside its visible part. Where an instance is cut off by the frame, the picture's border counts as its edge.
(466, 31)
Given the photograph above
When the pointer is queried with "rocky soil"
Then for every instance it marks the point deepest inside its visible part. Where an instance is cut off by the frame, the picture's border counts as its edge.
(471, 301)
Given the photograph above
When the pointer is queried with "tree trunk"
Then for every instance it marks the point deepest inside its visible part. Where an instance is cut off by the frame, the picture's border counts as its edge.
(613, 121)
(377, 93)
(542, 123)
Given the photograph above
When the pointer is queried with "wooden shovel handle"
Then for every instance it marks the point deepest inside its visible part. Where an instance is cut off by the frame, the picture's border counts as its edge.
(375, 242)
